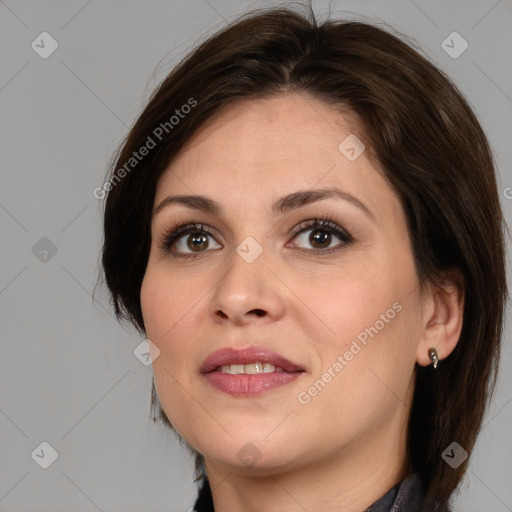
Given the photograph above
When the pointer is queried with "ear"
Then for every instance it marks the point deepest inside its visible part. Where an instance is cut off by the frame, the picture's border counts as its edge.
(442, 318)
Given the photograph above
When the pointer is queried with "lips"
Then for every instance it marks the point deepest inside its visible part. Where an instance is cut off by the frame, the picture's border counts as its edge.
(229, 356)
(237, 372)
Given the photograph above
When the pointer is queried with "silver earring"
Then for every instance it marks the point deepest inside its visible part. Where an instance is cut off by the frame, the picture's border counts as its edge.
(432, 353)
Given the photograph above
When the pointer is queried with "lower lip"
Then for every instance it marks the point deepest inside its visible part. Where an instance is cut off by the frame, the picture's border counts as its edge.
(249, 385)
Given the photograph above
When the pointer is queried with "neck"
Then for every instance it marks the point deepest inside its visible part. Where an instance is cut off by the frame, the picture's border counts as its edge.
(349, 480)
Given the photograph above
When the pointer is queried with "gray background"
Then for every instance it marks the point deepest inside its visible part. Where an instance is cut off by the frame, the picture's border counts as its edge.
(68, 375)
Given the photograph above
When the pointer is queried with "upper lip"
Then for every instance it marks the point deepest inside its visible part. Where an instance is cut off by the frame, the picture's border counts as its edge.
(228, 356)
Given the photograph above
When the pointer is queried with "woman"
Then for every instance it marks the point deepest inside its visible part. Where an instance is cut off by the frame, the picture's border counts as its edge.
(304, 222)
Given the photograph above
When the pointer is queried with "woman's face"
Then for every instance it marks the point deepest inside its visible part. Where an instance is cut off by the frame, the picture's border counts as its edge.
(338, 300)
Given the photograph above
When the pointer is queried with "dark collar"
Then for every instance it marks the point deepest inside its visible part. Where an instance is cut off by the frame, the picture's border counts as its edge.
(406, 496)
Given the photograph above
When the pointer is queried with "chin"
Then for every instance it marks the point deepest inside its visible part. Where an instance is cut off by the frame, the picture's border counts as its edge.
(253, 453)
(253, 459)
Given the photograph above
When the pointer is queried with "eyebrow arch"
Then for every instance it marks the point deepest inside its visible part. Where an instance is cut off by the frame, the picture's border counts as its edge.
(282, 205)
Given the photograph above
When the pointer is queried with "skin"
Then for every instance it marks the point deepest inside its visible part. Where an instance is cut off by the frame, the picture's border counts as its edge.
(346, 447)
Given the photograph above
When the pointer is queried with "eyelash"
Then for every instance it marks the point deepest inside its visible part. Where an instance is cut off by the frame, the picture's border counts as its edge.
(170, 236)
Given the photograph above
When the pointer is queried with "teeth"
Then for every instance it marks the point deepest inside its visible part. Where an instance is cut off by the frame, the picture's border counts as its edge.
(236, 369)
(253, 368)
(249, 369)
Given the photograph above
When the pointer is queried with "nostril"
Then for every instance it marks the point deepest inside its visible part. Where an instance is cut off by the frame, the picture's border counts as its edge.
(258, 312)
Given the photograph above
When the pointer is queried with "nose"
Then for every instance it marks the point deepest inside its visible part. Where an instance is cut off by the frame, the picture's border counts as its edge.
(246, 293)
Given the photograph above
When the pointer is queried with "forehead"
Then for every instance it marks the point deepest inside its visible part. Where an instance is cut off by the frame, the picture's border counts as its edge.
(269, 147)
(276, 128)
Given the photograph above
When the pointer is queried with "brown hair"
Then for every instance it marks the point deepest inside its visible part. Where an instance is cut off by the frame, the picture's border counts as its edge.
(433, 152)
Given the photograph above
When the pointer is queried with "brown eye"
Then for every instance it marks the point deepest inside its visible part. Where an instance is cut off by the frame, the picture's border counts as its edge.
(197, 242)
(320, 234)
(320, 239)
(185, 240)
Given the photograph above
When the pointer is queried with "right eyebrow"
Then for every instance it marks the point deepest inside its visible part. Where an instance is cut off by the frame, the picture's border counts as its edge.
(202, 203)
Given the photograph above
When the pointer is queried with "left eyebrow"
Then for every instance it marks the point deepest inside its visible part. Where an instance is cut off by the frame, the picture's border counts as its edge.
(282, 205)
(304, 197)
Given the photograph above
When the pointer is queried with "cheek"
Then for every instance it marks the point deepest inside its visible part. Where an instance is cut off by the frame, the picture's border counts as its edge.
(373, 323)
(366, 372)
(166, 300)
(156, 302)
(168, 312)
(350, 302)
